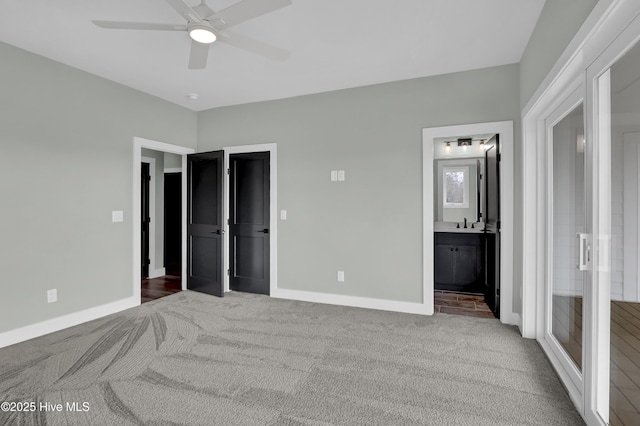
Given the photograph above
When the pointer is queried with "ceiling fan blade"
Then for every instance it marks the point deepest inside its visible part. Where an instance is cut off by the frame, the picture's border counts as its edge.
(139, 26)
(185, 10)
(198, 55)
(254, 46)
(203, 10)
(244, 11)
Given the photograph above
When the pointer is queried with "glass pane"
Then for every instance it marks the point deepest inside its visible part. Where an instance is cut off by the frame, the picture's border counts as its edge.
(568, 220)
(624, 407)
(455, 187)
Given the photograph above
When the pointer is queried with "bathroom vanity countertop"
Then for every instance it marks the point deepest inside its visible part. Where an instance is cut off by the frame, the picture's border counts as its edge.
(460, 230)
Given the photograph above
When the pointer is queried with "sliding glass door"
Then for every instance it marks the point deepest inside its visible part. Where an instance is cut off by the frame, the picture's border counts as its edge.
(568, 246)
(616, 77)
(613, 313)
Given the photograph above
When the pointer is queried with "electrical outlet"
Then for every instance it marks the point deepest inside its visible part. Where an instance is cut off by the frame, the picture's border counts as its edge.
(52, 295)
(341, 177)
(117, 216)
(341, 276)
(283, 215)
(334, 175)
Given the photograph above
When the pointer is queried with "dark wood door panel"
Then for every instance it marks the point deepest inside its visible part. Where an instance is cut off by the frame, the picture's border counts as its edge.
(205, 223)
(249, 202)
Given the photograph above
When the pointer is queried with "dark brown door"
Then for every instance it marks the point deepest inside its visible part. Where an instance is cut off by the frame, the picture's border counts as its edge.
(145, 177)
(249, 222)
(492, 209)
(205, 223)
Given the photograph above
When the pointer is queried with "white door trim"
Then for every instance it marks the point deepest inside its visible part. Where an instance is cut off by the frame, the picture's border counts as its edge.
(505, 129)
(272, 149)
(138, 144)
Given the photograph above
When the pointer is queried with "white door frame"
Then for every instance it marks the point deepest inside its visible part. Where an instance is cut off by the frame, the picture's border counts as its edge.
(272, 149)
(138, 144)
(572, 377)
(505, 130)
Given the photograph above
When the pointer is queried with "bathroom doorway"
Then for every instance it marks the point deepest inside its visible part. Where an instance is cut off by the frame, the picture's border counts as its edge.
(468, 219)
(466, 226)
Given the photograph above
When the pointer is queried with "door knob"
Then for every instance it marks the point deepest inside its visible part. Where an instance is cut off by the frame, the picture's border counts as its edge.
(264, 231)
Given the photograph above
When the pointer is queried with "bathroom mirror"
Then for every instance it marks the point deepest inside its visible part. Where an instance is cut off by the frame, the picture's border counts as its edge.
(457, 191)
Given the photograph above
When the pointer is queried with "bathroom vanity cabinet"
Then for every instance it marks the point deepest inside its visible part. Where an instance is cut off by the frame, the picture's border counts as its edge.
(459, 261)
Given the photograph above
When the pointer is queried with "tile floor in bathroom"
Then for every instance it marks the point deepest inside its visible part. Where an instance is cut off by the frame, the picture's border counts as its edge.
(471, 305)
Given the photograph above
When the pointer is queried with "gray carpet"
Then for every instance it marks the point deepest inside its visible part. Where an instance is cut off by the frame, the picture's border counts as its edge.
(247, 359)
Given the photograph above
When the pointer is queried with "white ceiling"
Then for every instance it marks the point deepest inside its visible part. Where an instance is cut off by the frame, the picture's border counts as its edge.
(334, 44)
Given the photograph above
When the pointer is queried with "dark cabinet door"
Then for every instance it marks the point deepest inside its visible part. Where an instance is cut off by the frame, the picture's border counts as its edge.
(444, 264)
(465, 270)
(205, 223)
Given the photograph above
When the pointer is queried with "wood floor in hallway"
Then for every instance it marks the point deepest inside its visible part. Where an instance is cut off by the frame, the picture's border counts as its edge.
(155, 288)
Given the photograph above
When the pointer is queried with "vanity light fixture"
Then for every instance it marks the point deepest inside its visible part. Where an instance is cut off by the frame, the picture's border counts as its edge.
(465, 143)
(447, 147)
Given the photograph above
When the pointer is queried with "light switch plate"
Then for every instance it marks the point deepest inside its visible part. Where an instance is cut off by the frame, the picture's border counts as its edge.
(283, 215)
(341, 175)
(334, 175)
(52, 295)
(117, 216)
(341, 276)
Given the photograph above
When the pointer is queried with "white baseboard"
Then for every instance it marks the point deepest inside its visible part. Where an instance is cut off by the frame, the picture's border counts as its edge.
(515, 319)
(155, 273)
(353, 301)
(21, 334)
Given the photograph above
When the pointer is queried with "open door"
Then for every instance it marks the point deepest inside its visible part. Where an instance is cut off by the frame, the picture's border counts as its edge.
(492, 220)
(145, 178)
(205, 174)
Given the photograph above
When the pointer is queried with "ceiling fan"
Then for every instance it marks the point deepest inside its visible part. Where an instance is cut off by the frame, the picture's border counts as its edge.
(206, 26)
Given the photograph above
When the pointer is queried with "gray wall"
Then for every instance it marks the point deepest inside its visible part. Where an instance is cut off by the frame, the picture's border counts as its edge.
(559, 22)
(172, 161)
(158, 221)
(370, 226)
(66, 155)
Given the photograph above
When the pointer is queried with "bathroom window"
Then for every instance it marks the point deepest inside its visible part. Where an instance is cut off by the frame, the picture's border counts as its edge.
(455, 191)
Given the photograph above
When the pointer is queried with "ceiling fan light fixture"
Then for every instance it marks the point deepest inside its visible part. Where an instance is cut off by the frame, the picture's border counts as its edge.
(202, 34)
